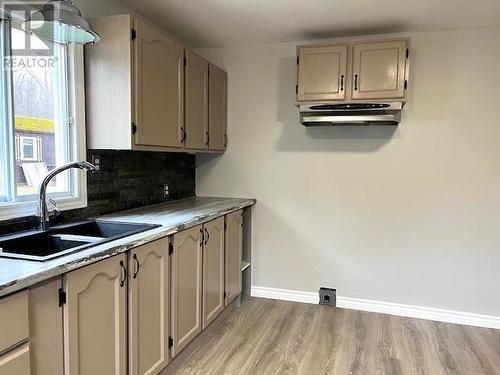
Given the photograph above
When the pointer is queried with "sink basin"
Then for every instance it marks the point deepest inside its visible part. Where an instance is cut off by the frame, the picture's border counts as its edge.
(102, 229)
(66, 239)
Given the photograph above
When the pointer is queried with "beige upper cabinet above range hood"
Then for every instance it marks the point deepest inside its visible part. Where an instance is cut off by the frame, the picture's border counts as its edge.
(352, 83)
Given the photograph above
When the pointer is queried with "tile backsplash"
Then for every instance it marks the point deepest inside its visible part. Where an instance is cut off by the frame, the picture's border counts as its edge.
(126, 179)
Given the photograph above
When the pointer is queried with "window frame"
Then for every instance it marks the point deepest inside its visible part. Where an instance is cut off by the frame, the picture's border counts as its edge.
(77, 198)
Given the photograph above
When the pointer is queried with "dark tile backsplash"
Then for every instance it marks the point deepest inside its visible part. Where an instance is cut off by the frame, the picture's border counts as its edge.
(127, 179)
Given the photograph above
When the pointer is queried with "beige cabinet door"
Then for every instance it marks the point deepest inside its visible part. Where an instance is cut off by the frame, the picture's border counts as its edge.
(217, 108)
(196, 114)
(159, 80)
(16, 362)
(213, 270)
(322, 73)
(95, 319)
(379, 70)
(148, 313)
(186, 287)
(233, 255)
(46, 329)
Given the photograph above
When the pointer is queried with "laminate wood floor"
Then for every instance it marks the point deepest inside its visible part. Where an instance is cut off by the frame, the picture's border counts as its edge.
(276, 337)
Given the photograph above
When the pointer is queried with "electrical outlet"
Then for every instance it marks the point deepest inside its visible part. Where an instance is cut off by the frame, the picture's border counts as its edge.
(328, 296)
(96, 160)
(166, 192)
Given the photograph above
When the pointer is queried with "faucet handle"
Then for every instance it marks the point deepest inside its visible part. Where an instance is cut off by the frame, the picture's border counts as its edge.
(52, 208)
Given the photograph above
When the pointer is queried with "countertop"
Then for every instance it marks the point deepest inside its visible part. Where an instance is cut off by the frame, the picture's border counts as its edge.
(171, 216)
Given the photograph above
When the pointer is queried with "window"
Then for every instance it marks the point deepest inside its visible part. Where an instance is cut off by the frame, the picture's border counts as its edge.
(27, 149)
(41, 120)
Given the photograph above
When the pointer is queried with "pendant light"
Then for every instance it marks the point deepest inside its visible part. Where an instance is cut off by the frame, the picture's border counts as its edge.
(62, 22)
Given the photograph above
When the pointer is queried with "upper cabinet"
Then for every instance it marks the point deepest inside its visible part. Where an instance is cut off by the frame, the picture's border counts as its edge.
(196, 102)
(159, 92)
(217, 108)
(379, 70)
(145, 91)
(322, 73)
(108, 85)
(368, 70)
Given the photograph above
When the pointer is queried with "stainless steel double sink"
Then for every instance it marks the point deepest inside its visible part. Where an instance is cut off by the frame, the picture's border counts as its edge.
(66, 239)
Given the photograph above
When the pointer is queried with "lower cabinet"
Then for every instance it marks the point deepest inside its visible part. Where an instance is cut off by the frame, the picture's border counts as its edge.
(96, 313)
(159, 296)
(213, 270)
(14, 321)
(16, 362)
(46, 328)
(186, 284)
(148, 307)
(233, 255)
(95, 319)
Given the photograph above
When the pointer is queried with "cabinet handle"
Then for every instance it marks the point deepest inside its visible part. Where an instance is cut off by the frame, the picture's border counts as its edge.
(207, 138)
(123, 273)
(183, 134)
(342, 82)
(207, 236)
(137, 266)
(225, 140)
(356, 82)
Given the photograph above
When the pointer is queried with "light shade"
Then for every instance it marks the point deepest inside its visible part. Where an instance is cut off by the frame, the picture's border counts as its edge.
(61, 21)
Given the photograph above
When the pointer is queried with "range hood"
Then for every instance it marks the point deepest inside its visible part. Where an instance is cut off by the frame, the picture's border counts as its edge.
(338, 114)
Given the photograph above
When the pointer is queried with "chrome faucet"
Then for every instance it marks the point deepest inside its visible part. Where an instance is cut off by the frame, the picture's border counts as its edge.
(42, 194)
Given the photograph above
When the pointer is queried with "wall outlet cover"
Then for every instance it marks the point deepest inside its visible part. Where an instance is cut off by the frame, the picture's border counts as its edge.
(328, 296)
(96, 160)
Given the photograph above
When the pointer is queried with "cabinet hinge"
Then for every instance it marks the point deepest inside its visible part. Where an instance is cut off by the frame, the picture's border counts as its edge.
(407, 52)
(62, 297)
(170, 342)
(170, 248)
(406, 84)
(134, 128)
(133, 34)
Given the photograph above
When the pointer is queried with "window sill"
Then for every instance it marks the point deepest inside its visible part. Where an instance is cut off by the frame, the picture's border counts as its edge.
(22, 209)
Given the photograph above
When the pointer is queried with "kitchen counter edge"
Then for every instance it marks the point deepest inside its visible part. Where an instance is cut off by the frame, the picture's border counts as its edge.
(16, 275)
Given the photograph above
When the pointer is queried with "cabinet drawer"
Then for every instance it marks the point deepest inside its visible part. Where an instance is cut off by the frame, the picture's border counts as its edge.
(14, 325)
(16, 362)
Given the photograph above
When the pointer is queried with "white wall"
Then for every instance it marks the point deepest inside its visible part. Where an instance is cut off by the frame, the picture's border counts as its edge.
(95, 8)
(408, 215)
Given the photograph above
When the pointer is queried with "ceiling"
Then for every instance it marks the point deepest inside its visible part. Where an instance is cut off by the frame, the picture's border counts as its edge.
(211, 23)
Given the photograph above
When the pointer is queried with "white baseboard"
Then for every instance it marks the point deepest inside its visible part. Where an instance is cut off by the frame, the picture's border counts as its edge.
(420, 312)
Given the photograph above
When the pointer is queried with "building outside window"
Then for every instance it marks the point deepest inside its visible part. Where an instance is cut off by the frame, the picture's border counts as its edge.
(28, 149)
(41, 118)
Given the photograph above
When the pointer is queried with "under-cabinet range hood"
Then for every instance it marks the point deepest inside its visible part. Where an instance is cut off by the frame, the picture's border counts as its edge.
(338, 114)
